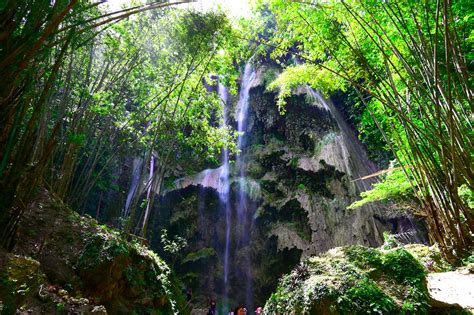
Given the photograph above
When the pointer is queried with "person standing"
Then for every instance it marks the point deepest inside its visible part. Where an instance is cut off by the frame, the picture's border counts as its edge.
(189, 294)
(212, 307)
(240, 310)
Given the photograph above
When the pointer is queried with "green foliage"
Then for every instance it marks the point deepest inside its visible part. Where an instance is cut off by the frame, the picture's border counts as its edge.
(20, 278)
(366, 297)
(394, 186)
(403, 267)
(60, 307)
(203, 253)
(269, 75)
(295, 76)
(467, 195)
(391, 53)
(79, 139)
(293, 162)
(199, 31)
(430, 257)
(468, 260)
(101, 248)
(108, 257)
(172, 246)
(364, 257)
(137, 90)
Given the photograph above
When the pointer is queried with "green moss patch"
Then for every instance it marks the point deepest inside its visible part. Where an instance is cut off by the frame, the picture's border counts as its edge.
(20, 278)
(91, 261)
(126, 275)
(353, 280)
(430, 257)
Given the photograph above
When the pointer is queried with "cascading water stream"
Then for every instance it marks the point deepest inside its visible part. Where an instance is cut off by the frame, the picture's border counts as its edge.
(149, 190)
(137, 165)
(242, 114)
(359, 165)
(224, 188)
(242, 203)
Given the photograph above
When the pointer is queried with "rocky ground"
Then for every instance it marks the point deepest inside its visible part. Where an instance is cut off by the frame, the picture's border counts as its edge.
(453, 287)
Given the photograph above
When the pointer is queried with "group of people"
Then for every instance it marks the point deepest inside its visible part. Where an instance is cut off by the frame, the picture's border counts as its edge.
(239, 310)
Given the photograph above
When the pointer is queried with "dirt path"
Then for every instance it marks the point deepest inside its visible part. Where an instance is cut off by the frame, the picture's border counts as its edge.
(452, 287)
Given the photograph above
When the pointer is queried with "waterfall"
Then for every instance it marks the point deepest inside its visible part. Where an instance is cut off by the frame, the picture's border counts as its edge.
(148, 195)
(242, 201)
(137, 165)
(224, 188)
(242, 114)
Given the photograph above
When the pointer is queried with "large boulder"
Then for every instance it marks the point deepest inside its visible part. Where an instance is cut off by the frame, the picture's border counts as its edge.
(87, 266)
(125, 275)
(353, 280)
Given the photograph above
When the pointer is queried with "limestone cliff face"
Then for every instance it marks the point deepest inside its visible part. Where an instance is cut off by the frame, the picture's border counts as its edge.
(300, 169)
(308, 160)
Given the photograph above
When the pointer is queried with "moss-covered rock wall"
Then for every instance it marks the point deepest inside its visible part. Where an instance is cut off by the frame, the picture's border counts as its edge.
(64, 263)
(299, 180)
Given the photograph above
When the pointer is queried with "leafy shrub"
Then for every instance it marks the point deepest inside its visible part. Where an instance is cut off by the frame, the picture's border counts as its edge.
(403, 266)
(364, 257)
(366, 297)
(389, 241)
(203, 253)
(394, 186)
